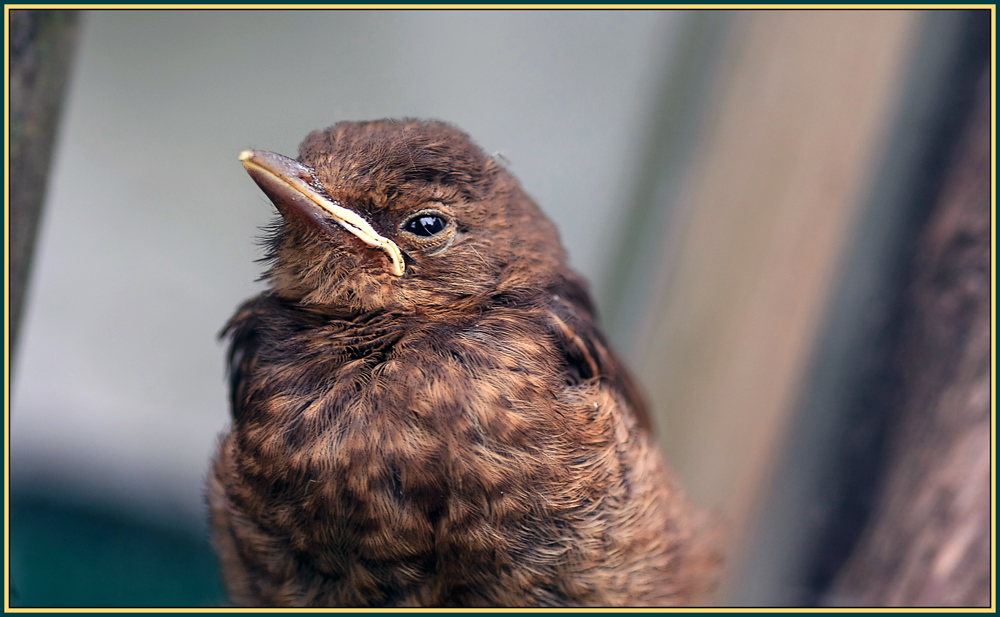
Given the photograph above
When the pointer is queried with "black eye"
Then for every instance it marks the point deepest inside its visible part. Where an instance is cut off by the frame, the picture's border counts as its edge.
(425, 225)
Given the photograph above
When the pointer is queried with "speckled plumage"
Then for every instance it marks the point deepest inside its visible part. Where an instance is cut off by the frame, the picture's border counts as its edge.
(460, 435)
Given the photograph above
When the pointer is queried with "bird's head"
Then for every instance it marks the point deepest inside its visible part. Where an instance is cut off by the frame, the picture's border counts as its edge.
(400, 215)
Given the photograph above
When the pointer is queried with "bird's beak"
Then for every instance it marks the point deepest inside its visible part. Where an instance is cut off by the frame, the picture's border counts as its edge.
(289, 183)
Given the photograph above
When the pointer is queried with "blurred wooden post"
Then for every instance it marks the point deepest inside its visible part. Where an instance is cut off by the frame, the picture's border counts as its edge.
(41, 45)
(760, 223)
(928, 541)
(823, 486)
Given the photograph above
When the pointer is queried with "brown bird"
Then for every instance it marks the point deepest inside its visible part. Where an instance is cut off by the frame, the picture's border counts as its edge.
(424, 409)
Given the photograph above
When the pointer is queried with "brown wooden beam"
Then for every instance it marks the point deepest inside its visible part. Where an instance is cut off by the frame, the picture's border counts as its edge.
(41, 53)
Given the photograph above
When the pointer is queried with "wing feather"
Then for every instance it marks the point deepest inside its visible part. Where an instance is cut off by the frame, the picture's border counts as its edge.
(586, 350)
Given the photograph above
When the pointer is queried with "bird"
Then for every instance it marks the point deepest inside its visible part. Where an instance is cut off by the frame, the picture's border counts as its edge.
(425, 411)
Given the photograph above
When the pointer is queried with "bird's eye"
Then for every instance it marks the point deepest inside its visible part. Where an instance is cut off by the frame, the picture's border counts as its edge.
(425, 225)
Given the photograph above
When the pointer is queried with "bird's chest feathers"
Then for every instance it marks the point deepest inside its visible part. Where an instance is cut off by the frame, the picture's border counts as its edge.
(392, 448)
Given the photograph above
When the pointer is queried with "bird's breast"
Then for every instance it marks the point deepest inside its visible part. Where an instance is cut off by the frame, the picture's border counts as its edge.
(395, 452)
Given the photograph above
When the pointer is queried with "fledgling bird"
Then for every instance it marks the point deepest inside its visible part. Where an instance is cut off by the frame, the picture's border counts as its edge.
(424, 409)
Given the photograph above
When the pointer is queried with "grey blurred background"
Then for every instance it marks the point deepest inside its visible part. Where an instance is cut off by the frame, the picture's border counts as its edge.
(744, 191)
